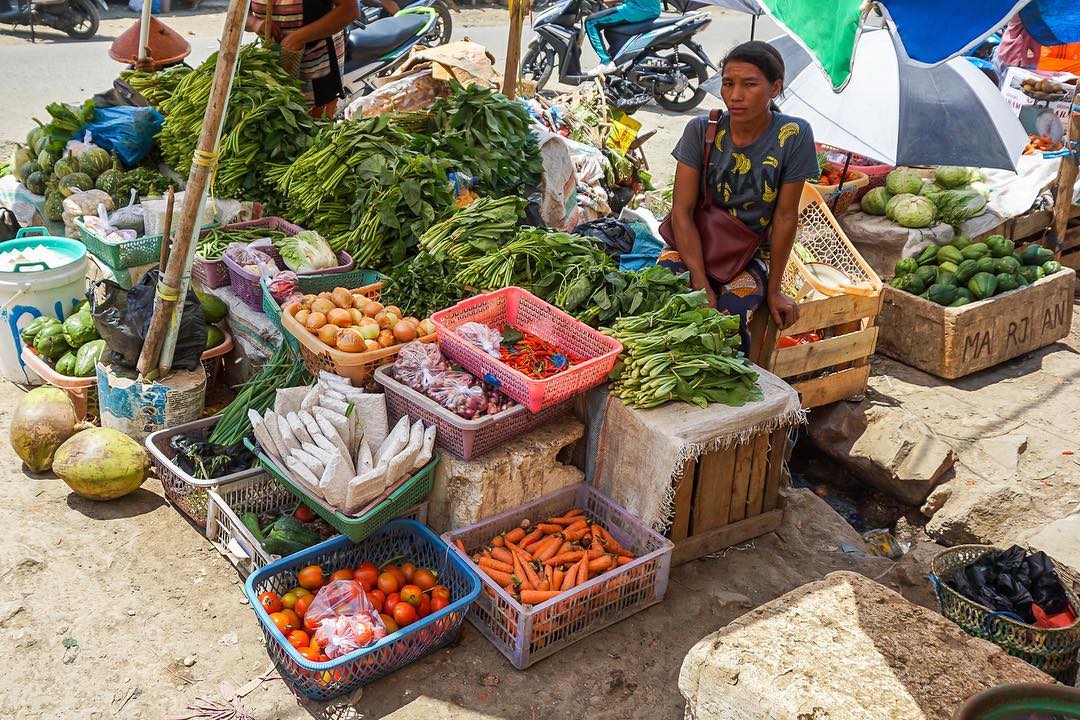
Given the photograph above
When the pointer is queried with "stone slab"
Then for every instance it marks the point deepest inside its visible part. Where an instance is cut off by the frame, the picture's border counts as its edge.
(467, 491)
(843, 648)
(427, 708)
(1061, 540)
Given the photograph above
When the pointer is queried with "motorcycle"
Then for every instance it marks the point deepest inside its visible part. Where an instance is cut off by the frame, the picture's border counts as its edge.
(79, 19)
(378, 49)
(657, 59)
(370, 11)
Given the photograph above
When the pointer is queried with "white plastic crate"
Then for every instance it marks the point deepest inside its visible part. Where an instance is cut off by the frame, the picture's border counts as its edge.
(258, 494)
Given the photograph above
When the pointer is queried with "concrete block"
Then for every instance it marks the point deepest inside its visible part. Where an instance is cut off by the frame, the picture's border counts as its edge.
(844, 648)
(511, 475)
(1060, 540)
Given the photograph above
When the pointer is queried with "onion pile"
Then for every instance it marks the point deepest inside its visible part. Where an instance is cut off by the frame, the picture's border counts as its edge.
(351, 322)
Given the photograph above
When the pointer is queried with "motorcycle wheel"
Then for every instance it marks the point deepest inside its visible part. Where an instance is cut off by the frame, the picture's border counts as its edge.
(85, 20)
(538, 64)
(443, 28)
(696, 73)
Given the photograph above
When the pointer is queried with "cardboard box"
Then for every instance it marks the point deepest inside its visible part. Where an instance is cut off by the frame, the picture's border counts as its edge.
(1018, 99)
(954, 342)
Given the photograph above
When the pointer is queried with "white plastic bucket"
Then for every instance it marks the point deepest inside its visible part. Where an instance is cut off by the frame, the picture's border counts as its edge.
(33, 290)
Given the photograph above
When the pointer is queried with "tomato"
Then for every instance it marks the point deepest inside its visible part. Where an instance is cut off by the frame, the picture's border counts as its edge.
(377, 598)
(300, 592)
(440, 591)
(345, 574)
(294, 619)
(424, 578)
(391, 600)
(362, 634)
(405, 614)
(299, 639)
(311, 624)
(408, 569)
(367, 575)
(309, 654)
(389, 583)
(304, 514)
(270, 602)
(311, 577)
(425, 606)
(412, 595)
(323, 657)
(303, 604)
(289, 600)
(391, 626)
(438, 603)
(314, 644)
(397, 574)
(283, 623)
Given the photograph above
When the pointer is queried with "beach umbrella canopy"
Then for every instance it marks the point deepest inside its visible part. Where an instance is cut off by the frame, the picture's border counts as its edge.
(928, 32)
(901, 113)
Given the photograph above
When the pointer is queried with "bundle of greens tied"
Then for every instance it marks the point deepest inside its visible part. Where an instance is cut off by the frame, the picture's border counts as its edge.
(684, 351)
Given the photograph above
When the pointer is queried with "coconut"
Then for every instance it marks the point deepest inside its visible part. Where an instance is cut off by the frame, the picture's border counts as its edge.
(101, 464)
(44, 419)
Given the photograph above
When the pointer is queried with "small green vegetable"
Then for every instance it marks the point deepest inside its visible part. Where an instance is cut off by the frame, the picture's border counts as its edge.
(983, 285)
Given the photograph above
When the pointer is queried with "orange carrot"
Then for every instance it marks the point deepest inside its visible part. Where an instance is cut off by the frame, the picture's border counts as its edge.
(563, 558)
(502, 555)
(578, 524)
(574, 511)
(595, 550)
(531, 538)
(563, 521)
(525, 560)
(541, 546)
(519, 568)
(578, 534)
(544, 585)
(601, 564)
(564, 548)
(497, 541)
(557, 576)
(582, 571)
(609, 541)
(460, 546)
(624, 560)
(549, 550)
(548, 528)
(496, 565)
(535, 597)
(514, 535)
(485, 553)
(500, 577)
(570, 579)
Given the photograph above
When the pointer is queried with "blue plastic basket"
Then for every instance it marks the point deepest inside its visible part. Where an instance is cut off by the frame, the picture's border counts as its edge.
(408, 538)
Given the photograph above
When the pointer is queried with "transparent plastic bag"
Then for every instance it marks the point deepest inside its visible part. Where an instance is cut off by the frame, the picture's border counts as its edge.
(417, 354)
(486, 338)
(285, 287)
(459, 392)
(254, 261)
(343, 618)
(129, 217)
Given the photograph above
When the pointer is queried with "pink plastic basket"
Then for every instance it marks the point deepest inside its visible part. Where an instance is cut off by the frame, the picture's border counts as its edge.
(214, 273)
(465, 438)
(79, 389)
(523, 310)
(874, 170)
(526, 634)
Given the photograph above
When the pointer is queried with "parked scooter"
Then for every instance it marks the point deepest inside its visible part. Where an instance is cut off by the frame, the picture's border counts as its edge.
(657, 58)
(78, 18)
(378, 49)
(372, 10)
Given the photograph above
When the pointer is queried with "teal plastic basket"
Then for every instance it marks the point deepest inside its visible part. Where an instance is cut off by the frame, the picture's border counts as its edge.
(367, 280)
(411, 492)
(396, 539)
(122, 255)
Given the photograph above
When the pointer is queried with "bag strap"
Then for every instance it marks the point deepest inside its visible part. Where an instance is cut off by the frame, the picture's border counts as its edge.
(710, 138)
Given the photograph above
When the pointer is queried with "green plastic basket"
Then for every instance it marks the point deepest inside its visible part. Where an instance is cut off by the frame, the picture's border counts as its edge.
(122, 255)
(313, 285)
(411, 492)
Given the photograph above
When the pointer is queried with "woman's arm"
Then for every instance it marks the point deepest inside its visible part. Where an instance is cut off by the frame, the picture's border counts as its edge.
(344, 12)
(684, 203)
(784, 309)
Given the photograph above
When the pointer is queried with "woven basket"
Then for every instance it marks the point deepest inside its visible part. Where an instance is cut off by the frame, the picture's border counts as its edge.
(1055, 651)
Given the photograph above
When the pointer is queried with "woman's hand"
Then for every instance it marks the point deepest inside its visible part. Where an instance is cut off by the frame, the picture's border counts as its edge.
(293, 42)
(784, 309)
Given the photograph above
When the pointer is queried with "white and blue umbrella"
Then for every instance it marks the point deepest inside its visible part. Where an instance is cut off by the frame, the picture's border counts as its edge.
(901, 113)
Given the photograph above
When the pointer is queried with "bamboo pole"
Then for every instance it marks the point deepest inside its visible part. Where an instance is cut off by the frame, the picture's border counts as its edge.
(1066, 180)
(166, 231)
(513, 48)
(157, 351)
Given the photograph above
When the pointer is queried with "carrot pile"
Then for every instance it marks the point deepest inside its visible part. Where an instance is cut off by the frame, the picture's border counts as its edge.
(1041, 143)
(534, 564)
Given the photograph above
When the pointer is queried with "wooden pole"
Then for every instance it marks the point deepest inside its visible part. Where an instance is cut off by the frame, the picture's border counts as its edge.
(160, 342)
(513, 48)
(166, 231)
(1066, 180)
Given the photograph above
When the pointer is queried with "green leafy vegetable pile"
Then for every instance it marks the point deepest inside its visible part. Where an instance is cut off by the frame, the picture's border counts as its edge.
(158, 86)
(422, 286)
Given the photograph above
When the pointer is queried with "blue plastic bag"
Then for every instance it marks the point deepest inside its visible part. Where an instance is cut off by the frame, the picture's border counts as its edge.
(127, 131)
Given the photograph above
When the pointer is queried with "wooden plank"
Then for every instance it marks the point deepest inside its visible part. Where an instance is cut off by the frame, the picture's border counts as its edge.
(744, 462)
(715, 540)
(819, 314)
(1066, 179)
(778, 444)
(833, 387)
(684, 493)
(954, 342)
(756, 495)
(712, 492)
(825, 353)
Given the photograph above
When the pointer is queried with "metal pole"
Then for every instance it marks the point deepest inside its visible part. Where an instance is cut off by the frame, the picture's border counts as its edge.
(753, 25)
(144, 30)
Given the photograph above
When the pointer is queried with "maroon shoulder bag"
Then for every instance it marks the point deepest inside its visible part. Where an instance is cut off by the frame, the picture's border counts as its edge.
(727, 245)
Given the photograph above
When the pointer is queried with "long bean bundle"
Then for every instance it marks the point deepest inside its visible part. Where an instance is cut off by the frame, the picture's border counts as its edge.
(157, 86)
(684, 351)
(282, 370)
(213, 243)
(266, 123)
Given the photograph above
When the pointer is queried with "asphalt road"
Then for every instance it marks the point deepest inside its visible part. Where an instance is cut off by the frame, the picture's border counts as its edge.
(58, 69)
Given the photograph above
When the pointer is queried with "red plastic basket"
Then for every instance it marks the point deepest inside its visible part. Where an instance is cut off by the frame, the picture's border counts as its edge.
(527, 633)
(875, 171)
(465, 438)
(523, 310)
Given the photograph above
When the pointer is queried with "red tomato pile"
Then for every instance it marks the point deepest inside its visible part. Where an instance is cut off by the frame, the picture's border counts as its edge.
(401, 593)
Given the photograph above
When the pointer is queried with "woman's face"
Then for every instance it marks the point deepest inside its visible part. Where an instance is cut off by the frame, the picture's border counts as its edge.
(746, 91)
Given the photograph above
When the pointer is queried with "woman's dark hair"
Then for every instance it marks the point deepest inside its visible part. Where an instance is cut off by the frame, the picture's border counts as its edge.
(761, 55)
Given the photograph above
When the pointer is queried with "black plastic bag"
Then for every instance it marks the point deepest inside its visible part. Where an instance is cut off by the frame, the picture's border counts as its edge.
(122, 318)
(205, 460)
(1010, 581)
(612, 236)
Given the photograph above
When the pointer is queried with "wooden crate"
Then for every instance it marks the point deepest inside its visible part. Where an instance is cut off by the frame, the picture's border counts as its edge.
(1070, 251)
(729, 496)
(954, 342)
(833, 368)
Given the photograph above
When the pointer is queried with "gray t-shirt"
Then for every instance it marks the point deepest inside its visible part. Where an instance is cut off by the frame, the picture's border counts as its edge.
(746, 180)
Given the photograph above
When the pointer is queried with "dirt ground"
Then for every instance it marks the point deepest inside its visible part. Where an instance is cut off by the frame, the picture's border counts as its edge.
(104, 603)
